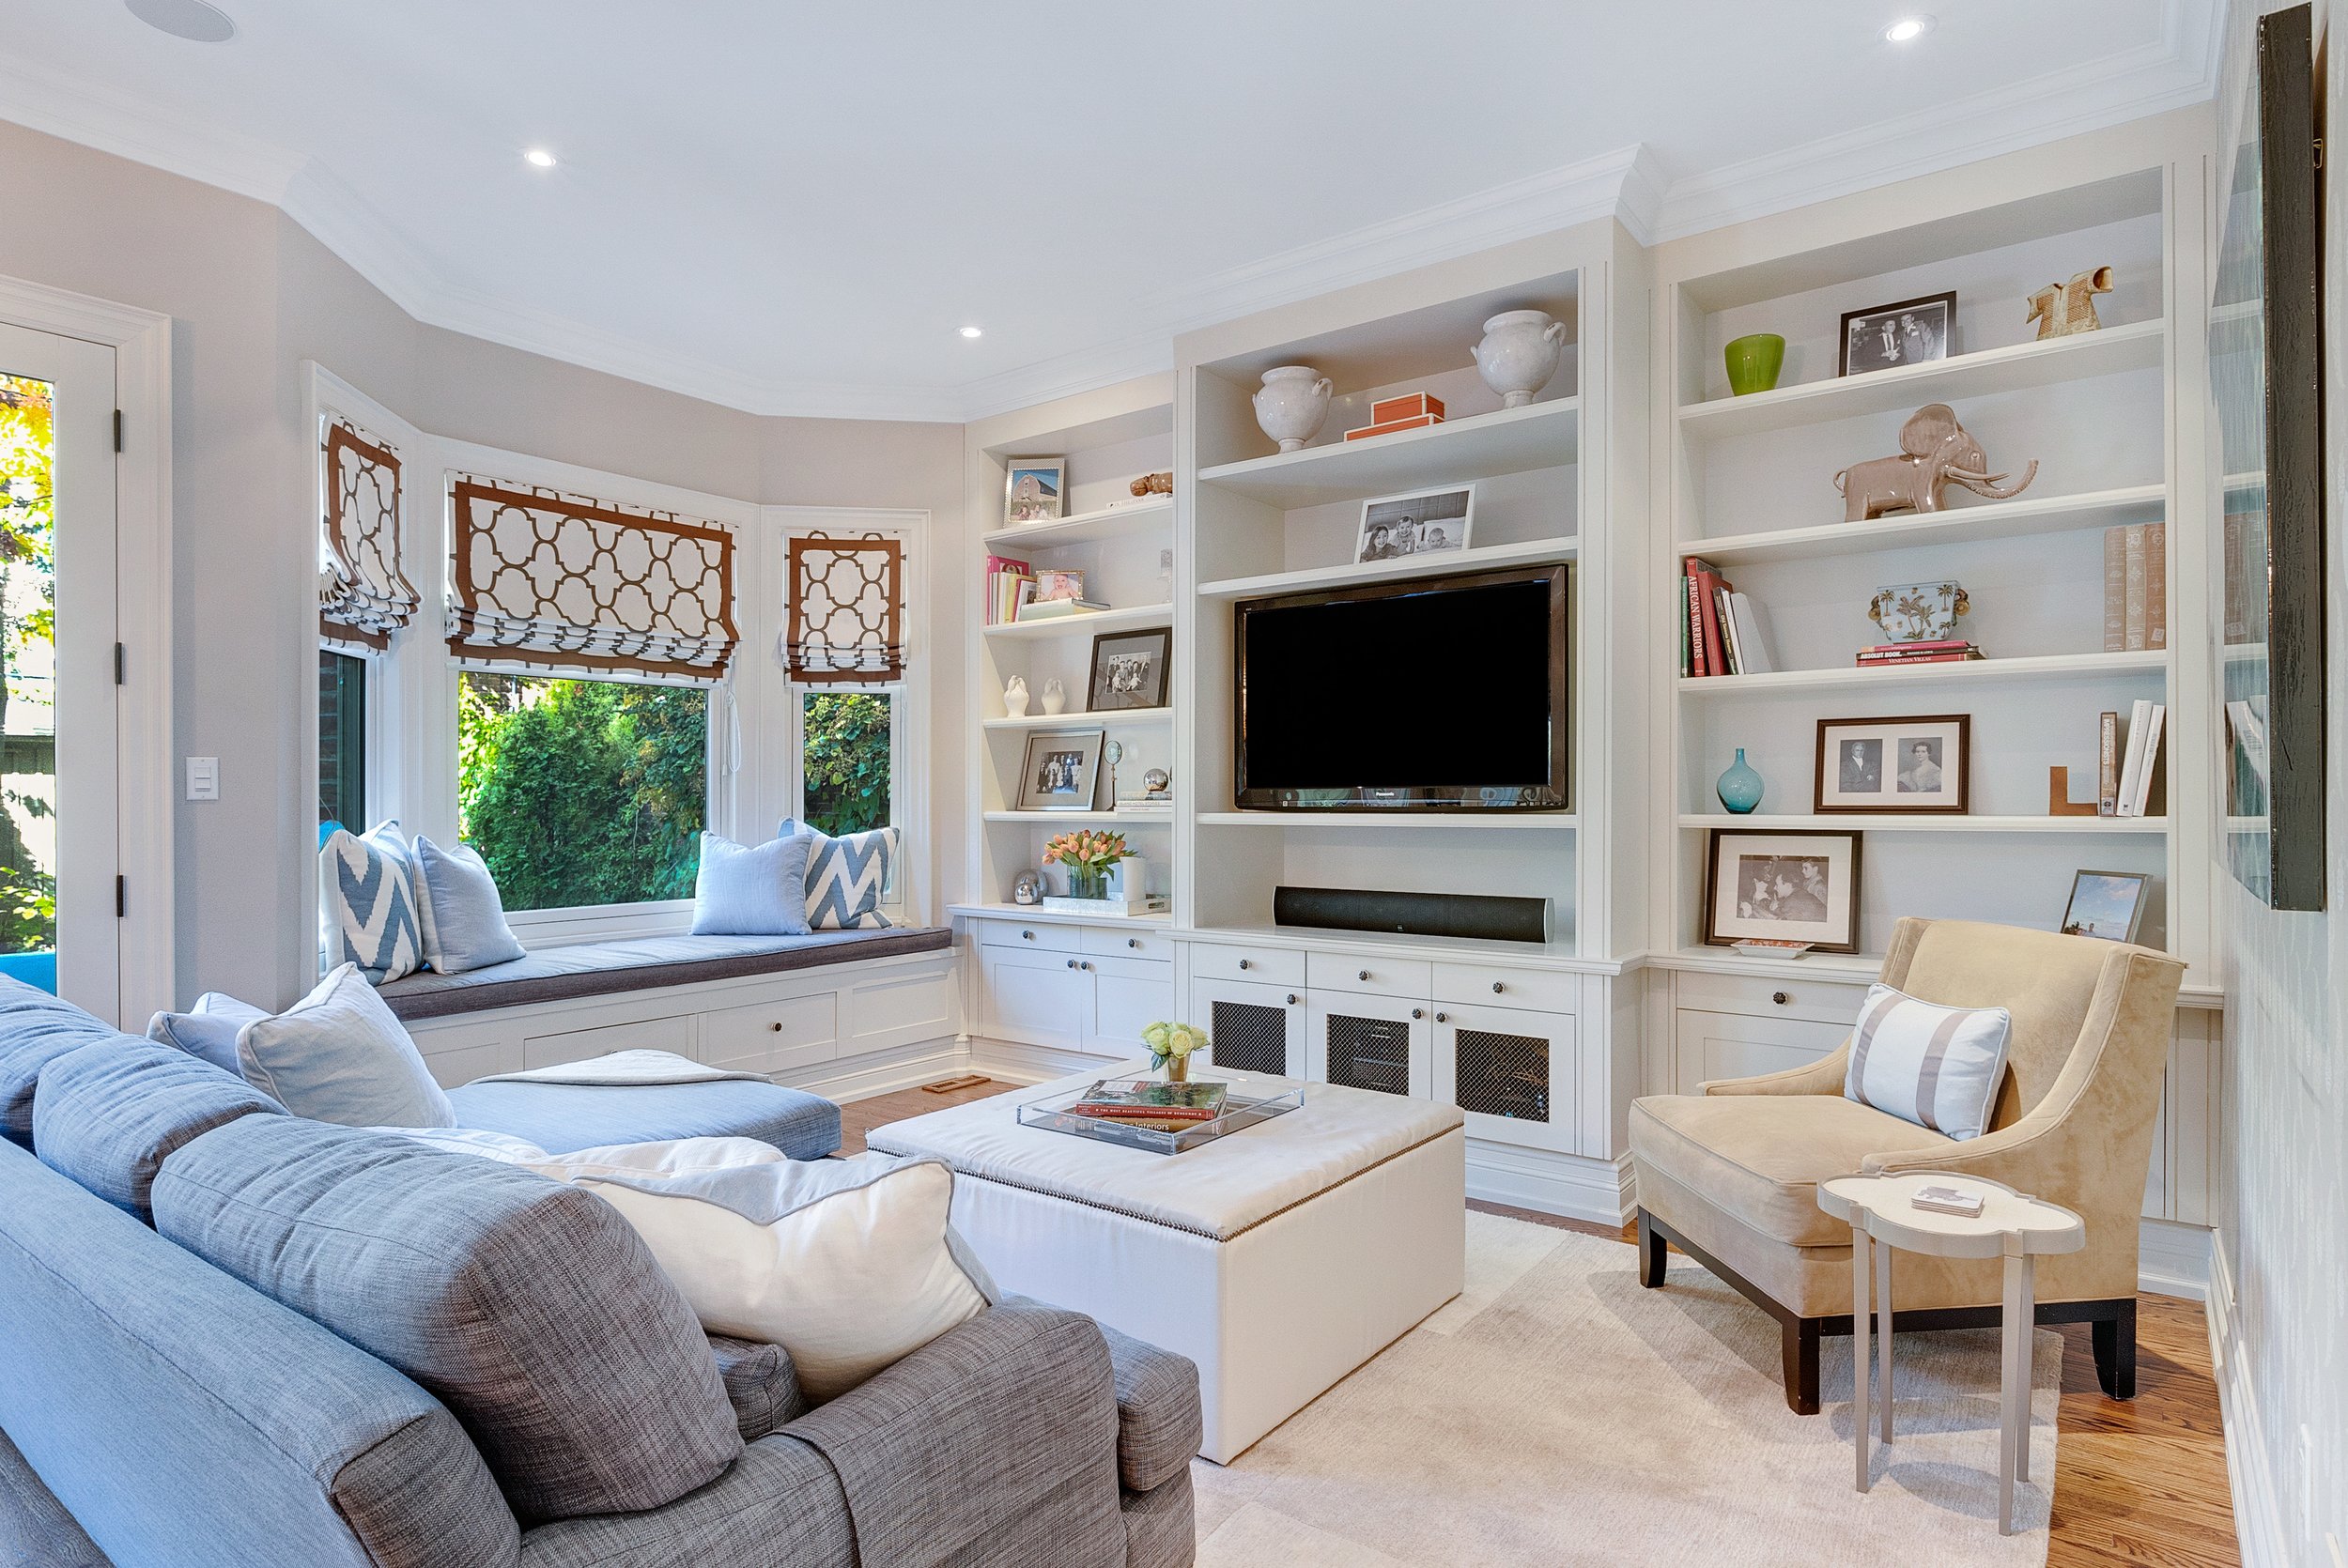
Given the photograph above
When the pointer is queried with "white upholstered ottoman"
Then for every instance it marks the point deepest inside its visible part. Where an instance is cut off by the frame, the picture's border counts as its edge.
(1278, 1259)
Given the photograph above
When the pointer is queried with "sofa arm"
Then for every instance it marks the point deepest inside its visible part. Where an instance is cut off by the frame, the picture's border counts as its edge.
(1159, 1426)
(1822, 1077)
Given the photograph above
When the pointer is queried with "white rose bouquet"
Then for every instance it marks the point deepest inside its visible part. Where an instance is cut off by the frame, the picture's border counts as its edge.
(1170, 1047)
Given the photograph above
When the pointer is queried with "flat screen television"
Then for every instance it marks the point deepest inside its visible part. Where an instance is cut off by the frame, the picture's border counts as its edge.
(1448, 694)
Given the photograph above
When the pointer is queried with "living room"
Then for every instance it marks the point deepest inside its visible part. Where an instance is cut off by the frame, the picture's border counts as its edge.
(1580, 820)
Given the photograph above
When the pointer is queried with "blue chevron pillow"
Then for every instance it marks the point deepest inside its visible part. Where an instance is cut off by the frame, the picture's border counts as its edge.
(367, 904)
(846, 877)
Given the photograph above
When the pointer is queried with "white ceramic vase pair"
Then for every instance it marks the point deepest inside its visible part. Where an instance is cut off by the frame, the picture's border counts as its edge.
(1015, 697)
(1518, 355)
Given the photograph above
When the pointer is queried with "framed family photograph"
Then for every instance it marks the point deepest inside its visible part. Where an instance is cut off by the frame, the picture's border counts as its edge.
(1129, 670)
(1781, 887)
(1061, 770)
(1035, 490)
(1432, 522)
(2106, 905)
(1910, 332)
(1894, 765)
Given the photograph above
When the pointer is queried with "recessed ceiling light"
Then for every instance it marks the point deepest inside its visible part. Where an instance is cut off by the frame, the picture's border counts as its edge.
(191, 20)
(538, 158)
(1908, 29)
(972, 332)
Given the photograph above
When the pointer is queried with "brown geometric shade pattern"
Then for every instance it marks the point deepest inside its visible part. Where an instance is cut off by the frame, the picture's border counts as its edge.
(363, 596)
(571, 585)
(846, 622)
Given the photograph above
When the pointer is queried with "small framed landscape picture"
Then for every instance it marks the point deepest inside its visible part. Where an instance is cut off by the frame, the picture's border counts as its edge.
(1035, 489)
(1060, 769)
(1129, 670)
(2108, 905)
(1894, 765)
(1431, 522)
(1781, 887)
(1913, 331)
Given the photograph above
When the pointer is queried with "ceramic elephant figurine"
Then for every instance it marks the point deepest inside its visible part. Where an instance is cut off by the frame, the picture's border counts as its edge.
(1934, 450)
(2062, 309)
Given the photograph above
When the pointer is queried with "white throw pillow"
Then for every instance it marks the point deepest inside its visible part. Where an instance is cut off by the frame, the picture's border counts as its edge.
(1923, 1063)
(339, 1055)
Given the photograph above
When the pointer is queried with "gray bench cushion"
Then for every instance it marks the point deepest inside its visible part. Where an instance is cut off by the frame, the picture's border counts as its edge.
(644, 964)
(560, 1118)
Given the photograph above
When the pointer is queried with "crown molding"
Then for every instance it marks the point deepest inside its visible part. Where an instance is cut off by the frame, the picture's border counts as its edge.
(98, 114)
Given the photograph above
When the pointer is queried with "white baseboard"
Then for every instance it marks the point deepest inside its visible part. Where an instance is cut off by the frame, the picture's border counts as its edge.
(1572, 1185)
(1016, 1063)
(2258, 1511)
(2172, 1259)
(880, 1072)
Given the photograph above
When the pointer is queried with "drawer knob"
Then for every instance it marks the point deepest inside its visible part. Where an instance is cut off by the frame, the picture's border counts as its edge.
(1498, 988)
(1779, 998)
(1247, 963)
(1087, 964)
(1132, 942)
(1292, 999)
(1027, 936)
(1072, 963)
(1442, 1017)
(1363, 975)
(775, 1027)
(1418, 1013)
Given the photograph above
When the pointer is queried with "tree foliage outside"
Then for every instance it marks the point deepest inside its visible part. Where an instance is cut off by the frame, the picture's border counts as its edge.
(582, 793)
(846, 764)
(28, 635)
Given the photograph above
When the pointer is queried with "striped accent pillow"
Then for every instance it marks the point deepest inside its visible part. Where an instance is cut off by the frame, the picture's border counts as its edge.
(846, 877)
(1934, 1066)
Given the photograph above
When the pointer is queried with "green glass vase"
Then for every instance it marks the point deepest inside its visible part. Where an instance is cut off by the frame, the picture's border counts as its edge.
(1753, 362)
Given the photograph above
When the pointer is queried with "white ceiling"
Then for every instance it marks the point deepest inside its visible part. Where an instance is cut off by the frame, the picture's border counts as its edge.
(791, 208)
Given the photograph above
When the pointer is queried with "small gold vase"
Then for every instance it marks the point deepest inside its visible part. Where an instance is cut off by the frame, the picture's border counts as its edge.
(1178, 1070)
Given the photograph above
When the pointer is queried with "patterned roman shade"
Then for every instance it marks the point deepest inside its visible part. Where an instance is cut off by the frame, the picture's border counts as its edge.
(847, 610)
(565, 584)
(363, 597)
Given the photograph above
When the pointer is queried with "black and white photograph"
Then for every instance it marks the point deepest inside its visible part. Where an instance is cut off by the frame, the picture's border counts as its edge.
(1894, 765)
(2106, 905)
(1129, 670)
(1397, 527)
(1913, 331)
(1782, 887)
(1061, 769)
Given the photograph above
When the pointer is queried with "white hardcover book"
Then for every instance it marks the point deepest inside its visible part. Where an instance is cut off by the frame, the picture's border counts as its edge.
(2152, 755)
(2140, 720)
(1753, 649)
(1737, 665)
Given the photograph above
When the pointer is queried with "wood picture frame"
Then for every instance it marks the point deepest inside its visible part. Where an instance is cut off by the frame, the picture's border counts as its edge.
(1130, 669)
(1060, 771)
(1928, 339)
(1886, 777)
(1790, 871)
(2110, 899)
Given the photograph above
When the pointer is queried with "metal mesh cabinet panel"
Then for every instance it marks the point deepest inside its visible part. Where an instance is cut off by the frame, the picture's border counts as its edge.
(1369, 1053)
(1502, 1075)
(1250, 1038)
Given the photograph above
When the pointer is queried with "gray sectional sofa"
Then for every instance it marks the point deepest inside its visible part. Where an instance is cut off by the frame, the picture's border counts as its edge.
(234, 1337)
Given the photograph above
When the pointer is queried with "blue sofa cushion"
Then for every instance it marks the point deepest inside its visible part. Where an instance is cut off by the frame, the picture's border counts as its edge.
(34, 1027)
(560, 1118)
(529, 1307)
(110, 1113)
(208, 1031)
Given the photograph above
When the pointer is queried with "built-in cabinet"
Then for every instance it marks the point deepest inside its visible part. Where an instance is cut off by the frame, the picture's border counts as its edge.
(1071, 988)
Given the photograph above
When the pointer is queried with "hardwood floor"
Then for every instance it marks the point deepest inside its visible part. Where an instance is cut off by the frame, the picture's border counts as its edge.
(2140, 1482)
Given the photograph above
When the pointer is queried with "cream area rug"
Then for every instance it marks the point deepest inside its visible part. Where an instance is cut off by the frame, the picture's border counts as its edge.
(1556, 1413)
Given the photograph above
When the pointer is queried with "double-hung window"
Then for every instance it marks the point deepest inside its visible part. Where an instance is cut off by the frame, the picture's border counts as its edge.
(365, 600)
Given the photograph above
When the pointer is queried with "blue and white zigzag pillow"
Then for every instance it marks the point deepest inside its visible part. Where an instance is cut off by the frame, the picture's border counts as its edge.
(368, 904)
(846, 877)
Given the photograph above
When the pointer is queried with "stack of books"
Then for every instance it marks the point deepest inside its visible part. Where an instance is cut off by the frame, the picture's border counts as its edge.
(1008, 582)
(1146, 805)
(1720, 630)
(1942, 651)
(2136, 588)
(1162, 1107)
(2124, 781)
(1051, 610)
(1408, 412)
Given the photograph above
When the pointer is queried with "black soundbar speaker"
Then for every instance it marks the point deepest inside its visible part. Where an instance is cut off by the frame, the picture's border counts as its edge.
(1350, 909)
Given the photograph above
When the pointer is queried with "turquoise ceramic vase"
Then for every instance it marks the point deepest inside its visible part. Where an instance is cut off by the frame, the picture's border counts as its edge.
(1739, 787)
(1753, 362)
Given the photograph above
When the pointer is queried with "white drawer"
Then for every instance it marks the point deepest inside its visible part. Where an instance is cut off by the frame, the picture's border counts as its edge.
(1277, 966)
(1368, 976)
(1038, 937)
(1496, 985)
(1820, 1000)
(781, 1036)
(1109, 942)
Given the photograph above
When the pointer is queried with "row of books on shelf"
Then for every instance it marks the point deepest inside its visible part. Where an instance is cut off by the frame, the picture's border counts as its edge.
(2136, 588)
(1017, 591)
(2124, 767)
(1720, 631)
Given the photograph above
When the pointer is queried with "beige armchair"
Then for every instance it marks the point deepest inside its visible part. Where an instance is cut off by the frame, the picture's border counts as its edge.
(1730, 1176)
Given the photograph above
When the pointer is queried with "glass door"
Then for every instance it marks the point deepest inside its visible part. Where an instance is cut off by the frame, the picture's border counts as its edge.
(58, 746)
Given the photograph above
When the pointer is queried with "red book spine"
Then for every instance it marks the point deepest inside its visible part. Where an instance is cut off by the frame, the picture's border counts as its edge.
(1715, 646)
(1696, 571)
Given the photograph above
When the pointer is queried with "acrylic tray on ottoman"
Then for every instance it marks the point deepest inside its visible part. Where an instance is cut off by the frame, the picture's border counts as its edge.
(1238, 1111)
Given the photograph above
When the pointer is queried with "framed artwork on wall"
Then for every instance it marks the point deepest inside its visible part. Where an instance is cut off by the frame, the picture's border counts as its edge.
(1035, 489)
(1894, 765)
(1905, 333)
(1781, 887)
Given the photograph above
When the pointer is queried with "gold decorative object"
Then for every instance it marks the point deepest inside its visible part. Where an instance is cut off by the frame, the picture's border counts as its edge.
(1934, 450)
(1154, 484)
(2062, 309)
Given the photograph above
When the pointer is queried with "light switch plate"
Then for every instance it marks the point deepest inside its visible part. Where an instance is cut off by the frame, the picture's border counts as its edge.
(203, 778)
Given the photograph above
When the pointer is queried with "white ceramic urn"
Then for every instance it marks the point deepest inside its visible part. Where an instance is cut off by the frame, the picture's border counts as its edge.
(1015, 697)
(1292, 404)
(1055, 696)
(1519, 354)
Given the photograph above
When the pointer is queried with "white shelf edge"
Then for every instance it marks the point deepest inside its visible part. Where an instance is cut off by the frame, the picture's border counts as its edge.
(1052, 721)
(1551, 820)
(2035, 667)
(1300, 468)
(1524, 955)
(1081, 819)
(1853, 968)
(1160, 920)
(1105, 523)
(1867, 821)
(1964, 524)
(1128, 618)
(1477, 558)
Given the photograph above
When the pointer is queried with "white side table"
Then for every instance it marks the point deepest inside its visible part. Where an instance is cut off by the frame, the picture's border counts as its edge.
(2011, 1226)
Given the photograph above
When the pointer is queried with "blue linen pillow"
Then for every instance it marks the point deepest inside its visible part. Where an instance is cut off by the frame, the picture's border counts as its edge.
(746, 891)
(845, 876)
(466, 926)
(339, 1055)
(109, 1114)
(366, 904)
(209, 1032)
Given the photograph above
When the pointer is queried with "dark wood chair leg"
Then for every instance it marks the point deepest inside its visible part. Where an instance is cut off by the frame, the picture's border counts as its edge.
(2114, 1339)
(1652, 1249)
(1800, 1344)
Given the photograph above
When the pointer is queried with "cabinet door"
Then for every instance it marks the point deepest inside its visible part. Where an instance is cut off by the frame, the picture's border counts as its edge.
(1712, 1046)
(1369, 1042)
(1251, 1027)
(1036, 998)
(1128, 995)
(1514, 1072)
